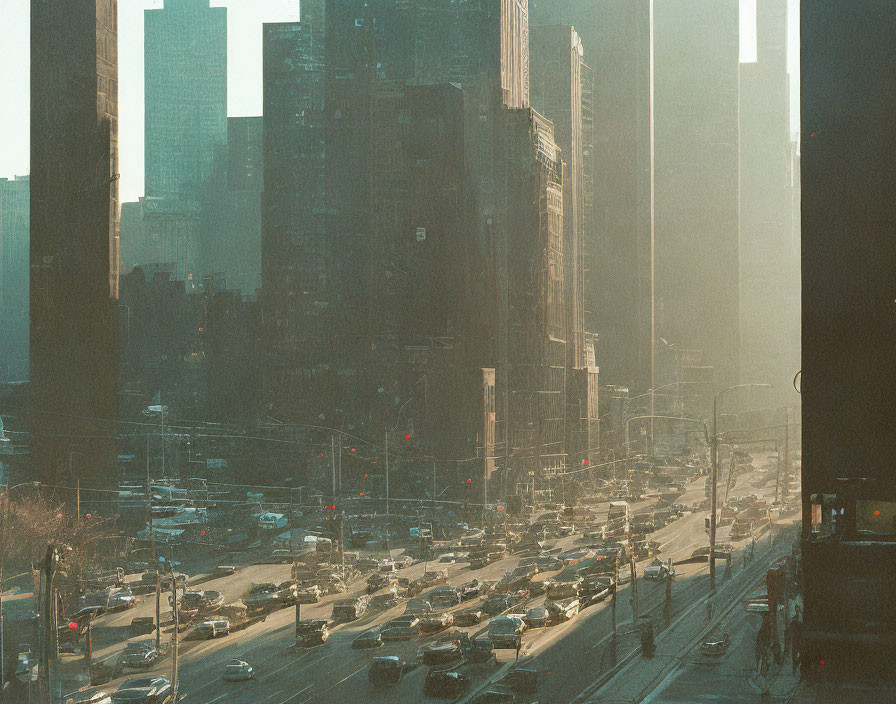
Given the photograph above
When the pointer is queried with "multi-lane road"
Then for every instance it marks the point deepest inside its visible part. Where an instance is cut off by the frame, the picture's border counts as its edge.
(568, 657)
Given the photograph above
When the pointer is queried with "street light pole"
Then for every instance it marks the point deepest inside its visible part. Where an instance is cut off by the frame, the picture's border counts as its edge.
(386, 446)
(715, 478)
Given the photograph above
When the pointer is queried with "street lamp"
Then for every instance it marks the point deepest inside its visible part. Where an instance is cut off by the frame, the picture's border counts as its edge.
(715, 476)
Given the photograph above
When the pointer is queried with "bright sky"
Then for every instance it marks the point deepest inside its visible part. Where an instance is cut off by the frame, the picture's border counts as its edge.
(244, 19)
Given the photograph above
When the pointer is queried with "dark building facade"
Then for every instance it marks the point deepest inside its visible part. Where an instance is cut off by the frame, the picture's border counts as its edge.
(769, 252)
(848, 156)
(74, 241)
(15, 210)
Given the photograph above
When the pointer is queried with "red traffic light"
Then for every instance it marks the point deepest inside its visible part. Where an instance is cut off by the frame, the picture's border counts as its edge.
(469, 481)
(585, 463)
(362, 493)
(407, 436)
(202, 532)
(88, 515)
(354, 450)
(331, 508)
(72, 625)
(365, 476)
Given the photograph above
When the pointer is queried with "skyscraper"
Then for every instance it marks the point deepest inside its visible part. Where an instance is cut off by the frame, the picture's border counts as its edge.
(74, 252)
(696, 184)
(14, 225)
(618, 298)
(769, 255)
(185, 79)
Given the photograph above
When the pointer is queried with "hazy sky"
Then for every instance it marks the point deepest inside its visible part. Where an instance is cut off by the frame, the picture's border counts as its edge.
(244, 19)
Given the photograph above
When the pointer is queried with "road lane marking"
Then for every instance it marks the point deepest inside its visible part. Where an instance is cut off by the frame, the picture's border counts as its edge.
(297, 694)
(279, 691)
(219, 697)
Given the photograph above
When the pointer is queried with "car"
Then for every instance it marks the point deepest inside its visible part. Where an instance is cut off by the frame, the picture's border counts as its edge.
(88, 697)
(449, 558)
(368, 639)
(444, 596)
(309, 595)
(141, 625)
(213, 628)
(387, 600)
(441, 653)
(494, 696)
(140, 655)
(387, 566)
(658, 570)
(506, 632)
(311, 633)
(468, 617)
(496, 603)
(715, 647)
(281, 556)
(213, 601)
(179, 578)
(536, 617)
(403, 628)
(88, 613)
(418, 607)
(376, 581)
(479, 649)
(385, 671)
(121, 599)
(238, 671)
(144, 690)
(435, 622)
(445, 684)
(224, 570)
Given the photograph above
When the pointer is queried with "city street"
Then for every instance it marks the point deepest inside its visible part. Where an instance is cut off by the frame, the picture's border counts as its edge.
(568, 656)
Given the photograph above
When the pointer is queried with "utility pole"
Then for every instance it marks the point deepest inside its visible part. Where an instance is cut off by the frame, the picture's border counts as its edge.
(158, 611)
(634, 591)
(712, 500)
(786, 456)
(77, 494)
(152, 538)
(667, 609)
(386, 446)
(613, 609)
(333, 463)
(176, 628)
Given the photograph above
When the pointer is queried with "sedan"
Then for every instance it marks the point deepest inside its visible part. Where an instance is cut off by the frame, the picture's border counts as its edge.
(433, 623)
(536, 617)
(238, 671)
(369, 639)
(468, 617)
(144, 690)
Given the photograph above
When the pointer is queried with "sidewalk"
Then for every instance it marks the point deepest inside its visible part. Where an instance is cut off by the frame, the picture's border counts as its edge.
(639, 676)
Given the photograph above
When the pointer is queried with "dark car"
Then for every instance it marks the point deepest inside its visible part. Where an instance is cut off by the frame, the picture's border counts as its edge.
(480, 650)
(435, 622)
(520, 679)
(497, 603)
(445, 683)
(494, 696)
(142, 625)
(368, 639)
(441, 653)
(536, 617)
(468, 617)
(144, 690)
(401, 628)
(140, 655)
(311, 633)
(506, 632)
(376, 581)
(385, 671)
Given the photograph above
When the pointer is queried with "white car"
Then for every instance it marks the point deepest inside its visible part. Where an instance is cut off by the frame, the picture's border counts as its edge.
(237, 671)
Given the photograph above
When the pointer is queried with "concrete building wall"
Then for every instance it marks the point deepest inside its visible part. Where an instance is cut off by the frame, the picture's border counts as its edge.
(74, 241)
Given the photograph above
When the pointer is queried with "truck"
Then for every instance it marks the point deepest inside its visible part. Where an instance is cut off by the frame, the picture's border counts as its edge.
(617, 519)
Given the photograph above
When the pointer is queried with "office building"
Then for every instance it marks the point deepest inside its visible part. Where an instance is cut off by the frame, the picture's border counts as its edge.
(74, 243)
(15, 208)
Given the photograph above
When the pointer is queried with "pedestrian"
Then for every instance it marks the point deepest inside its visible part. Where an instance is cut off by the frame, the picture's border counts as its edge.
(796, 636)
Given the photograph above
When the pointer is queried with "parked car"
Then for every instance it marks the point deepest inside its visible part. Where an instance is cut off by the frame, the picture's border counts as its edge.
(350, 609)
(238, 671)
(435, 622)
(496, 603)
(418, 607)
(715, 647)
(224, 570)
(309, 595)
(385, 671)
(479, 650)
(144, 690)
(376, 581)
(368, 639)
(520, 679)
(445, 684)
(383, 601)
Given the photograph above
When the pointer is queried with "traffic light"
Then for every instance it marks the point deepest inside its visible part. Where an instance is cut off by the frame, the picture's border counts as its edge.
(469, 481)
(72, 625)
(407, 436)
